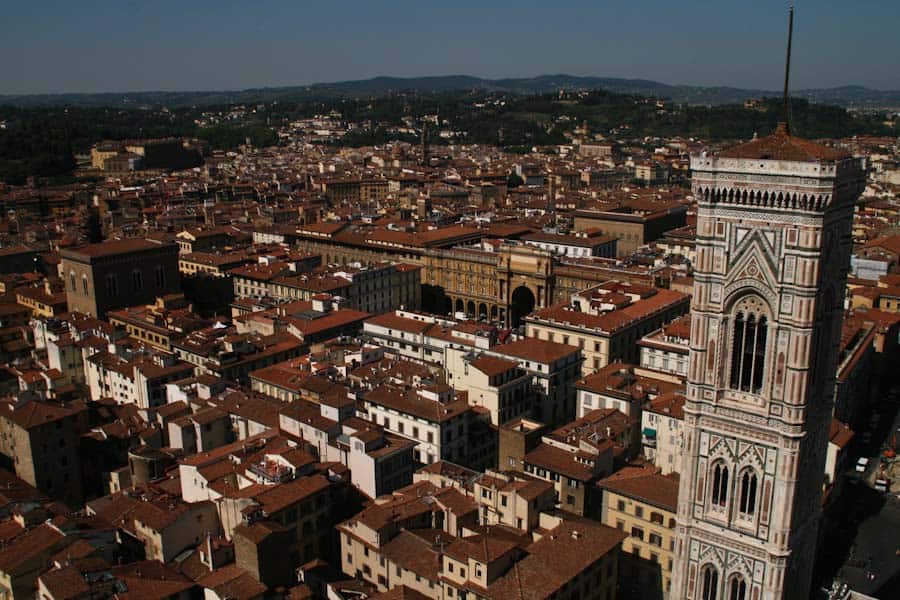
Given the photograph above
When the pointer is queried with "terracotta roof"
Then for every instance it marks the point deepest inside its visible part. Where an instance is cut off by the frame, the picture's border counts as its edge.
(400, 592)
(233, 582)
(303, 592)
(680, 327)
(251, 406)
(150, 580)
(258, 531)
(415, 551)
(840, 434)
(393, 321)
(556, 559)
(408, 401)
(645, 484)
(28, 547)
(66, 583)
(309, 413)
(890, 243)
(336, 319)
(617, 319)
(533, 349)
(113, 247)
(596, 428)
(483, 548)
(322, 228)
(287, 494)
(620, 379)
(9, 529)
(37, 413)
(402, 506)
(669, 404)
(491, 365)
(221, 453)
(560, 461)
(782, 146)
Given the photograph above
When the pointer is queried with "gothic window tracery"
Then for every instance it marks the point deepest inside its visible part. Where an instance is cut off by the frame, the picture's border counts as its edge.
(112, 287)
(737, 589)
(749, 484)
(748, 345)
(719, 495)
(709, 583)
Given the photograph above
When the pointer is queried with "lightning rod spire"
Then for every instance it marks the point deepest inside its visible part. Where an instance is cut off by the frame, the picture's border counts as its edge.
(787, 70)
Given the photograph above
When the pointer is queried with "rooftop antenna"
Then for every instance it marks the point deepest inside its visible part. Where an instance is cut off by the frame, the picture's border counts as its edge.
(787, 71)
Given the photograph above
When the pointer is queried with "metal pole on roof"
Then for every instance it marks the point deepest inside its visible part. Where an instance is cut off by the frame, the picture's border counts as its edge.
(787, 69)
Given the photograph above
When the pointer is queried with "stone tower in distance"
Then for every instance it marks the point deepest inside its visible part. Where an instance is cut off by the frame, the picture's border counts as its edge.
(773, 250)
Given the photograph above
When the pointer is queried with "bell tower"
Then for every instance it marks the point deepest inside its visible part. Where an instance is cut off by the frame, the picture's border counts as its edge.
(773, 250)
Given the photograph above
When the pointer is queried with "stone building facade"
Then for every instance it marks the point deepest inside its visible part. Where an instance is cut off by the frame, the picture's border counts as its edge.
(501, 286)
(118, 274)
(633, 226)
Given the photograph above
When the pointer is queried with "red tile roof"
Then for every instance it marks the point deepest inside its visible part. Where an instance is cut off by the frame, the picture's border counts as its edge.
(491, 365)
(669, 404)
(400, 592)
(415, 551)
(408, 401)
(614, 320)
(560, 461)
(562, 554)
(533, 349)
(288, 494)
(645, 484)
(233, 582)
(28, 547)
(393, 321)
(782, 146)
(114, 247)
(37, 413)
(840, 434)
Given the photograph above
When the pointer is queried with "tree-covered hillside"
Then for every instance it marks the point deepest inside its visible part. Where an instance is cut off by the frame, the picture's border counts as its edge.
(43, 141)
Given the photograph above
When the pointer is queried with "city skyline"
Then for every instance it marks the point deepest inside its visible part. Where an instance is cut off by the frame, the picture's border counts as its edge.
(289, 313)
(134, 47)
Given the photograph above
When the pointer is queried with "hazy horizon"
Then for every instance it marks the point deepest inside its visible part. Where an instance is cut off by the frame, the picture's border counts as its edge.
(413, 77)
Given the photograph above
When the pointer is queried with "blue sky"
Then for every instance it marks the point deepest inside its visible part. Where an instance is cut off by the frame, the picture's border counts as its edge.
(130, 45)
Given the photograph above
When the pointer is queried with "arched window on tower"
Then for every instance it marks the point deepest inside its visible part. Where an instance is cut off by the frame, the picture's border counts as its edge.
(737, 589)
(748, 349)
(112, 285)
(749, 484)
(719, 485)
(709, 585)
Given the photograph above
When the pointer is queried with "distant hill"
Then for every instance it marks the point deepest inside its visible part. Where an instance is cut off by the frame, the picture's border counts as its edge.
(846, 96)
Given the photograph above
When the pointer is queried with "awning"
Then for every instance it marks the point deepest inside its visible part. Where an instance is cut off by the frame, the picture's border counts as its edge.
(649, 432)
